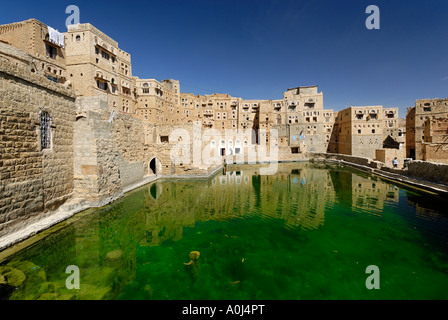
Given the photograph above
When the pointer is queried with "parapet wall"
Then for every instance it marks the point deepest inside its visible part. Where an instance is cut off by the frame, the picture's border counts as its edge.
(428, 173)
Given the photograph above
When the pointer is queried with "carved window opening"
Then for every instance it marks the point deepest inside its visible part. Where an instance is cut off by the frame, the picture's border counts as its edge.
(45, 133)
(52, 52)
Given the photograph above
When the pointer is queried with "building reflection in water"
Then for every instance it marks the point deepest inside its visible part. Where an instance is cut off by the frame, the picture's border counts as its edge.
(104, 244)
(299, 194)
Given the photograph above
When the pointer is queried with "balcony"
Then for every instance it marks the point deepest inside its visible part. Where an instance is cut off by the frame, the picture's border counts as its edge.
(100, 76)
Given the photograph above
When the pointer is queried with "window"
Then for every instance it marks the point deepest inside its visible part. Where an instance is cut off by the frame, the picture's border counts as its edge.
(427, 109)
(53, 79)
(164, 139)
(145, 90)
(373, 130)
(101, 85)
(78, 38)
(45, 138)
(52, 52)
(105, 55)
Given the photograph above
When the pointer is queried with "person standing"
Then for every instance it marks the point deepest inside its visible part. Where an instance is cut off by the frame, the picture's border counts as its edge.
(395, 162)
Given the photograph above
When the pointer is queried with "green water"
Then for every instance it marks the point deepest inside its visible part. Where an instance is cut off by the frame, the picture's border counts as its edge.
(308, 232)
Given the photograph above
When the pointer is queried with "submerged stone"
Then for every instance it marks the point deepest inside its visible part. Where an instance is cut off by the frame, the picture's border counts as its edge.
(11, 276)
(114, 255)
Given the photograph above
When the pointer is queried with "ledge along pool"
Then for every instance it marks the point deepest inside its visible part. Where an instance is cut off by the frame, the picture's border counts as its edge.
(308, 232)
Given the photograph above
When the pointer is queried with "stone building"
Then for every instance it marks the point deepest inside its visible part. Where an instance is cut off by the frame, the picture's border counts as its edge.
(96, 66)
(308, 123)
(435, 144)
(36, 128)
(360, 131)
(157, 102)
(45, 45)
(299, 115)
(416, 117)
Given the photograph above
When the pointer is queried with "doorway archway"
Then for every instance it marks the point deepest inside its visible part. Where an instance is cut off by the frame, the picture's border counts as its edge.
(153, 166)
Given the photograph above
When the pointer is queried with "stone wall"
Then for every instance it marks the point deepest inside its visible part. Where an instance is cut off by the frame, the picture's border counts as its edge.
(427, 172)
(114, 151)
(33, 180)
(436, 172)
(387, 155)
(130, 172)
(97, 176)
(335, 156)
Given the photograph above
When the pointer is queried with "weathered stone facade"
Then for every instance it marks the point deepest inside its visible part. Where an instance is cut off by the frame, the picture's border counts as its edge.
(360, 131)
(425, 109)
(34, 178)
(435, 145)
(96, 66)
(32, 38)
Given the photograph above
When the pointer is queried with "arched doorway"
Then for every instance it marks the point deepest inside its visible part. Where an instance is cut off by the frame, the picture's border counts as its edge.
(152, 166)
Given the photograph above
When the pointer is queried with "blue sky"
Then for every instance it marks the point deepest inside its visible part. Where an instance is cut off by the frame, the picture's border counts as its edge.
(256, 49)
